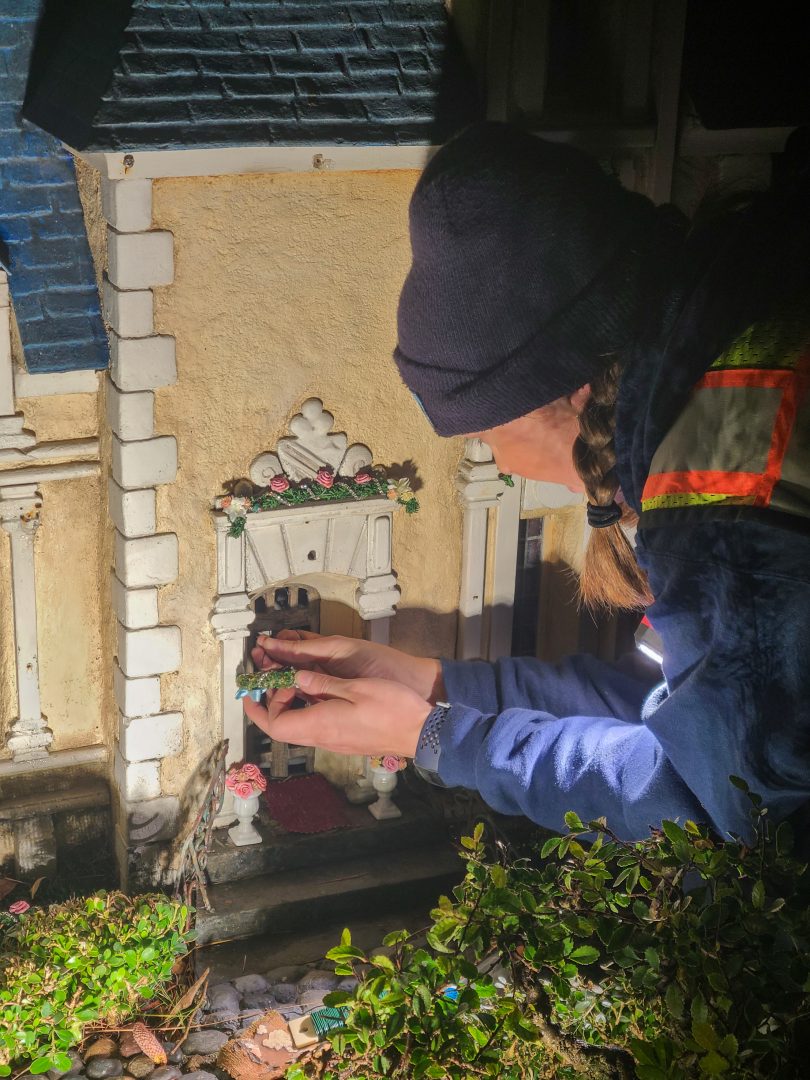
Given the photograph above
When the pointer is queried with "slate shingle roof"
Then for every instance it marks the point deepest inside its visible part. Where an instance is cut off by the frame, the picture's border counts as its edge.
(190, 73)
(43, 241)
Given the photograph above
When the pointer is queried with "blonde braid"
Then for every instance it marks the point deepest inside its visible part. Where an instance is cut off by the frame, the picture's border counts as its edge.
(611, 577)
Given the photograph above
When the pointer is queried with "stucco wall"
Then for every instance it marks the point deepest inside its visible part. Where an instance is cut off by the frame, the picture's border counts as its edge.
(69, 571)
(286, 287)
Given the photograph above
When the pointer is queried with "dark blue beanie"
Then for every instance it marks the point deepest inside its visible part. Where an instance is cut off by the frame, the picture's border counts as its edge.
(528, 268)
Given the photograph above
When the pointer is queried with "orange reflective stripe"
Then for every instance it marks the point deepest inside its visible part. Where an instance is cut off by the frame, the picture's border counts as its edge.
(742, 377)
(793, 395)
(709, 482)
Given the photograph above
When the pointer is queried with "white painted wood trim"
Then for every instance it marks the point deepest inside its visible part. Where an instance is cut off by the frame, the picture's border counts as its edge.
(47, 451)
(59, 759)
(504, 566)
(53, 383)
(226, 161)
(40, 474)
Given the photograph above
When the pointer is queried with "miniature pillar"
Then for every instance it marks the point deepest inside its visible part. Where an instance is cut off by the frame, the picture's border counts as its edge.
(19, 516)
(12, 435)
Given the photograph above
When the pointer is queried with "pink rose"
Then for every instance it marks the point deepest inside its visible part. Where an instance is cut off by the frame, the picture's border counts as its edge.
(279, 483)
(363, 477)
(225, 501)
(19, 907)
(244, 789)
(325, 477)
(390, 762)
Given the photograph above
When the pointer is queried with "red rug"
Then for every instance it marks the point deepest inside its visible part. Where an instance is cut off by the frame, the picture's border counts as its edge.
(306, 804)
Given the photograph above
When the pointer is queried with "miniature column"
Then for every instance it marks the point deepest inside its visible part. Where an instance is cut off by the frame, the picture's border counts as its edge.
(12, 435)
(19, 516)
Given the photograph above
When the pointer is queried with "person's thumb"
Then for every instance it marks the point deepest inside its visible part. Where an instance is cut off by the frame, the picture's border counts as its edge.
(295, 652)
(316, 684)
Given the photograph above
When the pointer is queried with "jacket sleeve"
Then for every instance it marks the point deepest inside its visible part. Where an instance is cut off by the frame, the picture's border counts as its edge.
(540, 739)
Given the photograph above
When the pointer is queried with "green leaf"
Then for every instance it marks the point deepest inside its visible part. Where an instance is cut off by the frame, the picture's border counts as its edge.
(550, 846)
(62, 1062)
(728, 1047)
(738, 782)
(784, 839)
(5, 1070)
(674, 1001)
(573, 821)
(383, 962)
(704, 1034)
(758, 895)
(40, 1065)
(713, 1064)
(478, 832)
(498, 875)
(585, 954)
(673, 832)
(346, 936)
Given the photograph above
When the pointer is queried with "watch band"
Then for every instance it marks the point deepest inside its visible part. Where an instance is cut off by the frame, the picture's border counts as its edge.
(428, 749)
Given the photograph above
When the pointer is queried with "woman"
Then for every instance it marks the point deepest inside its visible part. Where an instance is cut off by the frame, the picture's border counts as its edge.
(592, 339)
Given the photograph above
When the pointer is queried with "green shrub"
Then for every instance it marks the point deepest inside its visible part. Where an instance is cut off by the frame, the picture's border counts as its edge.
(94, 959)
(672, 958)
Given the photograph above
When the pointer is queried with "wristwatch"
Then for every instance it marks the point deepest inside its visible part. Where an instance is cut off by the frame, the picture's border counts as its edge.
(428, 749)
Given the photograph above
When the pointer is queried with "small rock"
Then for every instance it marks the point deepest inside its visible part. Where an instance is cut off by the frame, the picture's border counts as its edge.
(318, 980)
(207, 1041)
(140, 1066)
(222, 998)
(103, 1047)
(312, 999)
(76, 1066)
(289, 1012)
(258, 1001)
(222, 1018)
(128, 1047)
(249, 1018)
(174, 1054)
(251, 984)
(165, 1072)
(104, 1068)
(349, 984)
(291, 973)
(284, 992)
(200, 1074)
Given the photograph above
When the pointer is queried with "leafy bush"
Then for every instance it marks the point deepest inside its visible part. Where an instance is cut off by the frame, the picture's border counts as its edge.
(94, 959)
(677, 957)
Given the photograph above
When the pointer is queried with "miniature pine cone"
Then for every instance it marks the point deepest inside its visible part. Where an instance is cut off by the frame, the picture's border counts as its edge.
(281, 679)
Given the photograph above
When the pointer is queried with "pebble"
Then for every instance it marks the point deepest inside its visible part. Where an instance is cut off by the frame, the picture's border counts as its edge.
(258, 1001)
(318, 980)
(207, 1041)
(128, 1047)
(312, 999)
(251, 984)
(200, 1074)
(102, 1047)
(104, 1068)
(223, 1018)
(285, 993)
(349, 984)
(140, 1066)
(289, 1012)
(174, 1054)
(285, 974)
(222, 998)
(166, 1072)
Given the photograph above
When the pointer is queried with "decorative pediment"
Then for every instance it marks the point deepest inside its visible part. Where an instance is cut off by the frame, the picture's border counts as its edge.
(313, 464)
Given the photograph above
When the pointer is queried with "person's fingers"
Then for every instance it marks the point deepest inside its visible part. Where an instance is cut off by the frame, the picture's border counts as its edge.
(310, 650)
(263, 716)
(295, 635)
(316, 684)
(320, 725)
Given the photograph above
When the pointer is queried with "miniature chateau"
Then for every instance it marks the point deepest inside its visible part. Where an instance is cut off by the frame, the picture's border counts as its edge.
(203, 235)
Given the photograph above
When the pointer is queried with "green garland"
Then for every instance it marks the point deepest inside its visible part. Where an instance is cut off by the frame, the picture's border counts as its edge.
(343, 489)
(280, 679)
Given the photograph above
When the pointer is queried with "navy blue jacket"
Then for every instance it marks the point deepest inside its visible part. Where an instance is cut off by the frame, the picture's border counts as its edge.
(732, 606)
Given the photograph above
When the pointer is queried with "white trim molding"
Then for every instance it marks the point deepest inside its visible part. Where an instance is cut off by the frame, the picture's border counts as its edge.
(143, 165)
(140, 258)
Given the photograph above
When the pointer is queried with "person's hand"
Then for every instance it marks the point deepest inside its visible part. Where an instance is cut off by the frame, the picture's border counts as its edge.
(349, 658)
(348, 716)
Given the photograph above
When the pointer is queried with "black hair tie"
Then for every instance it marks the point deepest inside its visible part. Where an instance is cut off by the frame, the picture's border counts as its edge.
(600, 517)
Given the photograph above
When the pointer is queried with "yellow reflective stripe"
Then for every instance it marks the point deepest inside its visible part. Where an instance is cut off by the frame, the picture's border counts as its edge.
(777, 343)
(692, 498)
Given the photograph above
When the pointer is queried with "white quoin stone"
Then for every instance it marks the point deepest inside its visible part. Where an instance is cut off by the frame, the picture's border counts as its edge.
(146, 463)
(130, 415)
(135, 608)
(146, 561)
(129, 313)
(136, 697)
(142, 363)
(137, 780)
(132, 512)
(127, 204)
(149, 652)
(140, 260)
(149, 737)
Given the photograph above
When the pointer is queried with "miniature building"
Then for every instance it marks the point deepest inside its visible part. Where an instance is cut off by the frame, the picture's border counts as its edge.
(239, 201)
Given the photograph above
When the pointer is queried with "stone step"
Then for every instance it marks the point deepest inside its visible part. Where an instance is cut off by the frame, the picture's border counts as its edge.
(281, 850)
(304, 898)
